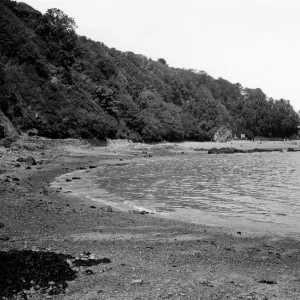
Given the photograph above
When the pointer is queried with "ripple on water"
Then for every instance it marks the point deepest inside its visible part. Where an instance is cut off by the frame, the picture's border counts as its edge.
(258, 188)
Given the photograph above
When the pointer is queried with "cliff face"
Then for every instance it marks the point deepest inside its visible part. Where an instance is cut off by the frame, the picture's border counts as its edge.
(61, 85)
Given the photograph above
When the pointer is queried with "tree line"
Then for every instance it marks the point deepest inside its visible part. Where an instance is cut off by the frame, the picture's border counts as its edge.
(63, 85)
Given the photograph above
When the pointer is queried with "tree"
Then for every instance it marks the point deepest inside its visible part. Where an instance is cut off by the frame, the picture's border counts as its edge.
(60, 27)
(162, 61)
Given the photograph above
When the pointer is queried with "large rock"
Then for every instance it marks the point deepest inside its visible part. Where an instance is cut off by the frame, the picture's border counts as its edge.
(7, 129)
(223, 134)
(30, 161)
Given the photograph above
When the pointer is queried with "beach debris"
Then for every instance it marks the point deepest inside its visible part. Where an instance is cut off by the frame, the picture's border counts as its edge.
(137, 281)
(239, 232)
(92, 167)
(92, 206)
(68, 180)
(75, 178)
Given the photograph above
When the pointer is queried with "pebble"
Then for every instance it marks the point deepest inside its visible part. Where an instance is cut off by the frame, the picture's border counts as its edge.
(137, 281)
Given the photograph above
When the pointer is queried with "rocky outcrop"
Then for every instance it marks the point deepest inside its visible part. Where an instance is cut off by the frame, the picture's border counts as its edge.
(223, 134)
(7, 129)
(293, 150)
(234, 150)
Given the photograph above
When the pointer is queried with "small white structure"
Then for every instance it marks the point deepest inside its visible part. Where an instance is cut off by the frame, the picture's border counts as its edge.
(243, 136)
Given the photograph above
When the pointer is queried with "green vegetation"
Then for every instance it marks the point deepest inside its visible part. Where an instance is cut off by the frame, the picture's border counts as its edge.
(62, 85)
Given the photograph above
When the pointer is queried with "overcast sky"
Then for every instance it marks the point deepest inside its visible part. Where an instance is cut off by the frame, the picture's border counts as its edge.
(253, 42)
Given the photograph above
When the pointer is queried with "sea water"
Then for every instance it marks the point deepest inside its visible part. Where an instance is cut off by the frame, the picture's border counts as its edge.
(255, 190)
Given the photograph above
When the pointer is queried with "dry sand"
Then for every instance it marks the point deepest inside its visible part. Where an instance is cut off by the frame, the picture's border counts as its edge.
(151, 258)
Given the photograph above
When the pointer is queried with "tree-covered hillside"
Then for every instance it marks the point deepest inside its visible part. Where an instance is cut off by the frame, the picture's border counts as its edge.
(61, 85)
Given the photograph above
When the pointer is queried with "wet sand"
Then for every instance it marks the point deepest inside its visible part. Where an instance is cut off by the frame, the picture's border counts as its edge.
(151, 258)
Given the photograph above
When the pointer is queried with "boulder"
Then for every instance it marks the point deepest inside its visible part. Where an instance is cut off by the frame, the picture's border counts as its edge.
(30, 161)
(223, 134)
(7, 129)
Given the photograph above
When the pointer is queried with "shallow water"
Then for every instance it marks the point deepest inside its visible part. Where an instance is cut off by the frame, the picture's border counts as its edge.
(259, 190)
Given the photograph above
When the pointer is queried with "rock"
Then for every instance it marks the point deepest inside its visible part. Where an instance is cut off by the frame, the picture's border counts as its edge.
(87, 259)
(92, 206)
(28, 168)
(239, 232)
(20, 159)
(15, 179)
(293, 150)
(1, 225)
(30, 161)
(223, 134)
(141, 212)
(231, 150)
(267, 281)
(68, 180)
(92, 167)
(7, 129)
(109, 209)
(4, 238)
(88, 272)
(137, 281)
(76, 178)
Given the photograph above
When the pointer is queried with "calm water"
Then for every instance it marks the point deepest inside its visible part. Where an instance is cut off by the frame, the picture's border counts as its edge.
(260, 190)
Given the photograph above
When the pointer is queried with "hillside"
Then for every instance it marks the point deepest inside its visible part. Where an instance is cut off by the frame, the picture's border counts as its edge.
(60, 85)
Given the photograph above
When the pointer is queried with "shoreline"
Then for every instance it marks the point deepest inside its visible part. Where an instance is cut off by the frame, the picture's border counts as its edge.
(151, 258)
(91, 192)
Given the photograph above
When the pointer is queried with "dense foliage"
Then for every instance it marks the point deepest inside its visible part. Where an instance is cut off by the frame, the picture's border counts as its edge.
(62, 85)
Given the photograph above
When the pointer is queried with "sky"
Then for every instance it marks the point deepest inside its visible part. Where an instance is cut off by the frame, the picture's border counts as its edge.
(253, 42)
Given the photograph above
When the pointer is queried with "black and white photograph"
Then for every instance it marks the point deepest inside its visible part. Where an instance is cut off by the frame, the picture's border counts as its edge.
(149, 150)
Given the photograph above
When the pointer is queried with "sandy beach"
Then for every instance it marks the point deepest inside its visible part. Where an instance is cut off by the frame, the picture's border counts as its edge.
(145, 257)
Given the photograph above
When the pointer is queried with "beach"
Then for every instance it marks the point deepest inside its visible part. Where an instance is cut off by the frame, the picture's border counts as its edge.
(146, 257)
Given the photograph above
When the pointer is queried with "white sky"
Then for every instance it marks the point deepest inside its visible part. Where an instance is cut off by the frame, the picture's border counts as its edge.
(253, 42)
